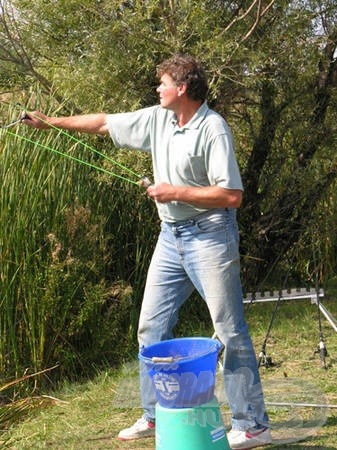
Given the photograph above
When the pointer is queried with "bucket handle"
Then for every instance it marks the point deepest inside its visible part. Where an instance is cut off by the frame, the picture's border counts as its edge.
(172, 359)
(164, 359)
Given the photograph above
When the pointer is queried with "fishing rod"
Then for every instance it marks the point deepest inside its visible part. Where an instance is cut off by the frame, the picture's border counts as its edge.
(143, 180)
(16, 122)
(265, 360)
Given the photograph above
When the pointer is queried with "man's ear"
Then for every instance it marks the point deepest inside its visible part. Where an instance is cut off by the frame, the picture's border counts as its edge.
(182, 88)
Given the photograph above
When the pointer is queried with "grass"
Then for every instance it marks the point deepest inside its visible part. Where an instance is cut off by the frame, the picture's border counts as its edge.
(89, 416)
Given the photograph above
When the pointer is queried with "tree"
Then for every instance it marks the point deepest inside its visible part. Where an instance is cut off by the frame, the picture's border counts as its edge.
(291, 167)
(272, 69)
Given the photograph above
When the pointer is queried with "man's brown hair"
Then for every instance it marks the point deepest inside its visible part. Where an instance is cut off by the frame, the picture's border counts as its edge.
(186, 69)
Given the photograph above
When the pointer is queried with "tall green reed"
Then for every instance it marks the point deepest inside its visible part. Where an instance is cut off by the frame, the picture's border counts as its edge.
(30, 182)
(74, 247)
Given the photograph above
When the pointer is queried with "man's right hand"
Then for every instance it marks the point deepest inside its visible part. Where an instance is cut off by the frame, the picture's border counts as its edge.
(35, 119)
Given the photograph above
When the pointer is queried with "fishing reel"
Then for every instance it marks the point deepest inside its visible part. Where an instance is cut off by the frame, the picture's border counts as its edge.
(145, 182)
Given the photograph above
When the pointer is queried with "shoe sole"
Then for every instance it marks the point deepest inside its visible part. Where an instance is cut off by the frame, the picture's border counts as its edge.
(135, 438)
(255, 446)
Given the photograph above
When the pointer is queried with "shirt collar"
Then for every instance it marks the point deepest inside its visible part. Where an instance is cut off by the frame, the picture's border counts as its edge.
(196, 120)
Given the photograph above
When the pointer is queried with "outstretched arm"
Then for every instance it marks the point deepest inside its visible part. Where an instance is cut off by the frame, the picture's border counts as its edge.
(86, 123)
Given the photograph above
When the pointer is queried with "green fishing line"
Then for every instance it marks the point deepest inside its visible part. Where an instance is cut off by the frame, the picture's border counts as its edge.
(46, 147)
(85, 145)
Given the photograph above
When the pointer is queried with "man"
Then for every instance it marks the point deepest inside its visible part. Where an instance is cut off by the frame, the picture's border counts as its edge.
(197, 189)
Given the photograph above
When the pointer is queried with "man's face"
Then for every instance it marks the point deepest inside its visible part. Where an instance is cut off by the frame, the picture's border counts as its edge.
(168, 92)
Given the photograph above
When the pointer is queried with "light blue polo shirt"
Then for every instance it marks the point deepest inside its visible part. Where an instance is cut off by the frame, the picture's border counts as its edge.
(201, 153)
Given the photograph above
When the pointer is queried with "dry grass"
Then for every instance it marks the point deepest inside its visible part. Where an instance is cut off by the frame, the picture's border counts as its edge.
(91, 415)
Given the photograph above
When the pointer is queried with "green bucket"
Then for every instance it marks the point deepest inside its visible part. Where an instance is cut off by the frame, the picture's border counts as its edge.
(199, 428)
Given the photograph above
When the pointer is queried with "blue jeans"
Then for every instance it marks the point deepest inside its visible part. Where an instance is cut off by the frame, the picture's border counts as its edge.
(203, 254)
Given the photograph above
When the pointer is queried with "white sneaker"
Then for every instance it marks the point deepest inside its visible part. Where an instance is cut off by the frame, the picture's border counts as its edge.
(141, 429)
(251, 438)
